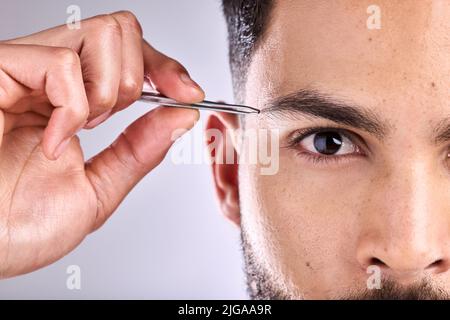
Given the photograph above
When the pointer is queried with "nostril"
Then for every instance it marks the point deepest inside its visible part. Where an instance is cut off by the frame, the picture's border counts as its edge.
(377, 262)
(437, 265)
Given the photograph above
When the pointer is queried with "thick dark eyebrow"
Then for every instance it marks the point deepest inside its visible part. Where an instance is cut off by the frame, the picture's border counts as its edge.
(319, 105)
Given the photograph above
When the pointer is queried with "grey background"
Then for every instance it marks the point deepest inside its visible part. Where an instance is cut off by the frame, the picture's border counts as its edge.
(167, 239)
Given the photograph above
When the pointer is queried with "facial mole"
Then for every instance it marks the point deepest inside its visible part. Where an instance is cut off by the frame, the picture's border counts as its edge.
(433, 84)
(308, 265)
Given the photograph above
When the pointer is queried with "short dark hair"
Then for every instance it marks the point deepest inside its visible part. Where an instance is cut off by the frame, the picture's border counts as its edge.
(246, 22)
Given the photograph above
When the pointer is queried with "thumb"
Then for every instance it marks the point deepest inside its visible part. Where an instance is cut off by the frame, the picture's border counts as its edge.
(141, 147)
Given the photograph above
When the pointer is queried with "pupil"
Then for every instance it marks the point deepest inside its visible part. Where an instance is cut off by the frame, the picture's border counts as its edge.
(327, 142)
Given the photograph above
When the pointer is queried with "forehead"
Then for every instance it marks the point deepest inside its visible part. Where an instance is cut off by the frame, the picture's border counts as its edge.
(327, 45)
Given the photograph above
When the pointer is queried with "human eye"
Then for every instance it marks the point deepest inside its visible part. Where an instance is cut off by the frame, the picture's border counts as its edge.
(322, 145)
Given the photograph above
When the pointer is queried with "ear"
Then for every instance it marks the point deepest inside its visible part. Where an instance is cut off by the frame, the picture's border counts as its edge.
(222, 149)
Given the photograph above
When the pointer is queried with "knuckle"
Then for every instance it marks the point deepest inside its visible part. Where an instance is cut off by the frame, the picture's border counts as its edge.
(130, 89)
(79, 115)
(107, 24)
(129, 21)
(66, 57)
(102, 100)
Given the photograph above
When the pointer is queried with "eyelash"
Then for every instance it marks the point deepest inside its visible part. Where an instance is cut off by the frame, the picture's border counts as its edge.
(296, 137)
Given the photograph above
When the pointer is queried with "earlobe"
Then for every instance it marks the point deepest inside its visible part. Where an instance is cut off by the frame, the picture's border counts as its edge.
(225, 172)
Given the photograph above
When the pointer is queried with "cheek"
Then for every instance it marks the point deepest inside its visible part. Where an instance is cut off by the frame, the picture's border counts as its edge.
(304, 217)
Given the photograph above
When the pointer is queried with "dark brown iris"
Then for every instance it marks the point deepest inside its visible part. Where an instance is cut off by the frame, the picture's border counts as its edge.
(327, 142)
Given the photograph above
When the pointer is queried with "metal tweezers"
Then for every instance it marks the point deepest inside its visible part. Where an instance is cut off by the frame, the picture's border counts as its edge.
(157, 98)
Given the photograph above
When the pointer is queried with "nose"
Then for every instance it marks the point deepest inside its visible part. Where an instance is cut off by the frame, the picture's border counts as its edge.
(405, 228)
(404, 262)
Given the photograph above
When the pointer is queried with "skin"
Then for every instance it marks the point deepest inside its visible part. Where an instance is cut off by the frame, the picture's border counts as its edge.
(329, 222)
(51, 197)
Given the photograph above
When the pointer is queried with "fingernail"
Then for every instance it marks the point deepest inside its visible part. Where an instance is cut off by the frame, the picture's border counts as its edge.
(62, 146)
(96, 121)
(184, 77)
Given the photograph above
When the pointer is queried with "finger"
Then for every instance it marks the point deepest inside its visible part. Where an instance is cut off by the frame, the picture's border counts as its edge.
(18, 120)
(169, 77)
(98, 42)
(11, 92)
(101, 58)
(2, 126)
(140, 148)
(132, 73)
(131, 77)
(57, 72)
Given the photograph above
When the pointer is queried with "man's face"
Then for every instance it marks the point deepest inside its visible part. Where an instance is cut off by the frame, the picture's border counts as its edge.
(370, 184)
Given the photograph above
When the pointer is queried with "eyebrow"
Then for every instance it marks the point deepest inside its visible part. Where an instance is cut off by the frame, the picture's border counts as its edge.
(319, 105)
(442, 131)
